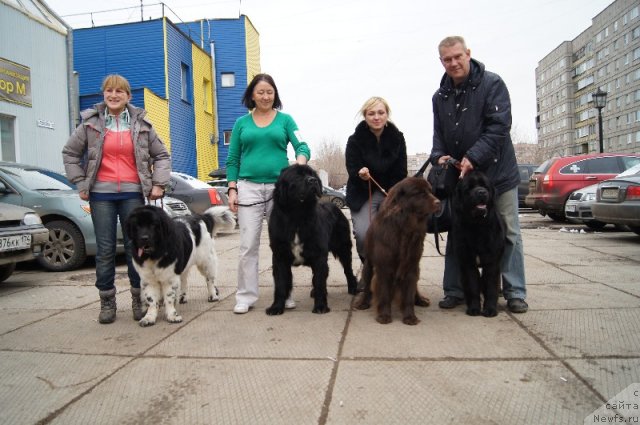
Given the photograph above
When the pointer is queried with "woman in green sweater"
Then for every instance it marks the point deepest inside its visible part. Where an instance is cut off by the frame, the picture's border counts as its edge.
(257, 154)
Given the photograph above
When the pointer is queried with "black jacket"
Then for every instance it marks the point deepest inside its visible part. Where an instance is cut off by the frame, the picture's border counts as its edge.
(387, 161)
(478, 128)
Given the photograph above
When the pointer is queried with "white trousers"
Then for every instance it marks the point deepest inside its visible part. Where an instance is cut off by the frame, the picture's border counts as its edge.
(255, 205)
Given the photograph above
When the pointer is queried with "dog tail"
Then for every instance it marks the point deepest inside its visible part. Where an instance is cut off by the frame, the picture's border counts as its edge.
(223, 219)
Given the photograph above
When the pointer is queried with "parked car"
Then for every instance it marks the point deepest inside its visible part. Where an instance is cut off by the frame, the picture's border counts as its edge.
(197, 194)
(618, 201)
(335, 196)
(68, 218)
(221, 187)
(578, 208)
(526, 170)
(22, 237)
(552, 182)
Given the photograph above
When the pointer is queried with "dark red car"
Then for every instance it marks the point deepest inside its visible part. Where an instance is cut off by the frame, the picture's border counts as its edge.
(554, 180)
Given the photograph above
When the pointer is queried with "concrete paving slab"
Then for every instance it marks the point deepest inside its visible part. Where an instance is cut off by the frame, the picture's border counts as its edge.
(583, 333)
(571, 296)
(539, 271)
(440, 334)
(11, 320)
(34, 385)
(50, 298)
(295, 334)
(626, 271)
(204, 392)
(78, 332)
(608, 376)
(444, 392)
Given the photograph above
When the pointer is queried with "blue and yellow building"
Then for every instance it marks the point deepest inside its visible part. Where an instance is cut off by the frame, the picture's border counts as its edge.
(192, 96)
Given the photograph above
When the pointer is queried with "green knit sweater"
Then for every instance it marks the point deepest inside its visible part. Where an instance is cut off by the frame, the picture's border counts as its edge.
(258, 154)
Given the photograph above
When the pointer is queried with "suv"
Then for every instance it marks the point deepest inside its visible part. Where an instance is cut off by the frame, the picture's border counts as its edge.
(526, 170)
(553, 182)
(22, 237)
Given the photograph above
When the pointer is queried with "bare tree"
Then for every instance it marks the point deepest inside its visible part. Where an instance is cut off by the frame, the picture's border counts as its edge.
(527, 149)
(330, 157)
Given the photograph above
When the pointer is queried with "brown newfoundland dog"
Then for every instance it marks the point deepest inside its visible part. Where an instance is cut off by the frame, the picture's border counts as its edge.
(393, 246)
(478, 233)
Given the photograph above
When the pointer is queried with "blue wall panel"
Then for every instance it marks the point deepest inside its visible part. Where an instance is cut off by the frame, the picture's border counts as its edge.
(181, 114)
(135, 51)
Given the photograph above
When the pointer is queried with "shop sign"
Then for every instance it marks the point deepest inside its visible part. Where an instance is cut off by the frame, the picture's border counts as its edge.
(15, 83)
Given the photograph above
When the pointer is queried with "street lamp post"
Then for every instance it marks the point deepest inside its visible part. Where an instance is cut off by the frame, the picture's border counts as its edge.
(600, 101)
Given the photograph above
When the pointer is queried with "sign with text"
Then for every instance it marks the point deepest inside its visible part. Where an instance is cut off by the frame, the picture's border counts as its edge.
(15, 83)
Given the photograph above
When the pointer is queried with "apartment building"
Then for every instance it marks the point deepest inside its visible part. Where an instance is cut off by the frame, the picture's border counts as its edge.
(605, 56)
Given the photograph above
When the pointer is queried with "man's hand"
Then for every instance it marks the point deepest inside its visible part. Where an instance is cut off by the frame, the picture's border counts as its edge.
(157, 192)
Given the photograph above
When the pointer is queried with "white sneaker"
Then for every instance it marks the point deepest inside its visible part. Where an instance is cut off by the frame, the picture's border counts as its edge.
(241, 308)
(290, 303)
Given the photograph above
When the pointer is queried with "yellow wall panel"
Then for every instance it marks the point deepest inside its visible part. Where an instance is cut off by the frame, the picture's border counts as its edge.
(158, 113)
(207, 152)
(253, 49)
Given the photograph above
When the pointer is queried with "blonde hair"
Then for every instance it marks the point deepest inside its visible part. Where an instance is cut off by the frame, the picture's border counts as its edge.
(116, 81)
(372, 101)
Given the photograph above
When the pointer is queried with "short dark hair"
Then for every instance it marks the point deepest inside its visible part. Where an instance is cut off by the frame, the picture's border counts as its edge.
(247, 97)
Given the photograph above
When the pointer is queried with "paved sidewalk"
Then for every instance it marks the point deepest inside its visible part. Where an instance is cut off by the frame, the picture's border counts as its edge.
(576, 348)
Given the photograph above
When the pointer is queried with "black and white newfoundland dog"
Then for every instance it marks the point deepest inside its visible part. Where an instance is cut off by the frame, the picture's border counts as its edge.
(165, 248)
(302, 232)
(478, 233)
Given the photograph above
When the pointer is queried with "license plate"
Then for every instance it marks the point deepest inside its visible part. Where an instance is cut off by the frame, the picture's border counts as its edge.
(571, 208)
(609, 193)
(12, 243)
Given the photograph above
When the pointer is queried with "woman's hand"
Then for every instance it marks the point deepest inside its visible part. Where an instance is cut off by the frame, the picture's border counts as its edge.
(84, 195)
(364, 174)
(157, 192)
(232, 194)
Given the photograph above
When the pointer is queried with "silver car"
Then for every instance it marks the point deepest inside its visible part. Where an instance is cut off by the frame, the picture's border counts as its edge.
(68, 218)
(22, 237)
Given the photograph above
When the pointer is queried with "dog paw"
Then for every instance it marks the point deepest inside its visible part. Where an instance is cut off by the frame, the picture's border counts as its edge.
(323, 309)
(183, 299)
(213, 298)
(384, 319)
(275, 311)
(490, 312)
(410, 320)
(144, 322)
(422, 301)
(473, 311)
(174, 318)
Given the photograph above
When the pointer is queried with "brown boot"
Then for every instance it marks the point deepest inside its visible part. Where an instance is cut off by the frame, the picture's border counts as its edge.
(136, 304)
(107, 306)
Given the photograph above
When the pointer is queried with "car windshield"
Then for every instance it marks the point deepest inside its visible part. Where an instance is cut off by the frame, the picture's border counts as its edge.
(633, 171)
(36, 179)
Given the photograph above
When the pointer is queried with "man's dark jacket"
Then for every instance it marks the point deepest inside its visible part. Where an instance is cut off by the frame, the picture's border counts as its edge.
(386, 160)
(475, 122)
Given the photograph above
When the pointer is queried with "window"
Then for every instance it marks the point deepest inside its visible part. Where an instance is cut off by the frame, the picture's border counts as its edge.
(228, 79)
(184, 83)
(206, 95)
(227, 137)
(7, 138)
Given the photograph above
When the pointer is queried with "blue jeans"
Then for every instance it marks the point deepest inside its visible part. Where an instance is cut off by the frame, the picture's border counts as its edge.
(361, 220)
(104, 215)
(512, 262)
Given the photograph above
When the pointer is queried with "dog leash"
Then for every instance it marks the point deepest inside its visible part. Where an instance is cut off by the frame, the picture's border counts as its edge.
(384, 192)
(255, 203)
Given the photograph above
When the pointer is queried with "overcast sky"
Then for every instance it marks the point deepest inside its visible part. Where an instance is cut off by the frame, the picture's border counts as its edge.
(327, 57)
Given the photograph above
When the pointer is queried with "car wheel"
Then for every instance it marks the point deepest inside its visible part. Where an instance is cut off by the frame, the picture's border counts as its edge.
(65, 249)
(338, 202)
(595, 224)
(557, 217)
(6, 270)
(635, 229)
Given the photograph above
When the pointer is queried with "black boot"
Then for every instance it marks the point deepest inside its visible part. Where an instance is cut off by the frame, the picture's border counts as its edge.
(136, 304)
(107, 306)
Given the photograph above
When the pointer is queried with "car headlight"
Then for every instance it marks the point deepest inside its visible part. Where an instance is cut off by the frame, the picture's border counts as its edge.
(589, 197)
(30, 219)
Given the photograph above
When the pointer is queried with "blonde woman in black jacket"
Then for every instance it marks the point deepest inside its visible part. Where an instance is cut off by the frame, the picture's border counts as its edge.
(376, 150)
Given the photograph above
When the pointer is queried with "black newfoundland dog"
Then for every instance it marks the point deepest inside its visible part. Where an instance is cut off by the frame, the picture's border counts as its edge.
(478, 233)
(393, 247)
(164, 249)
(302, 232)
